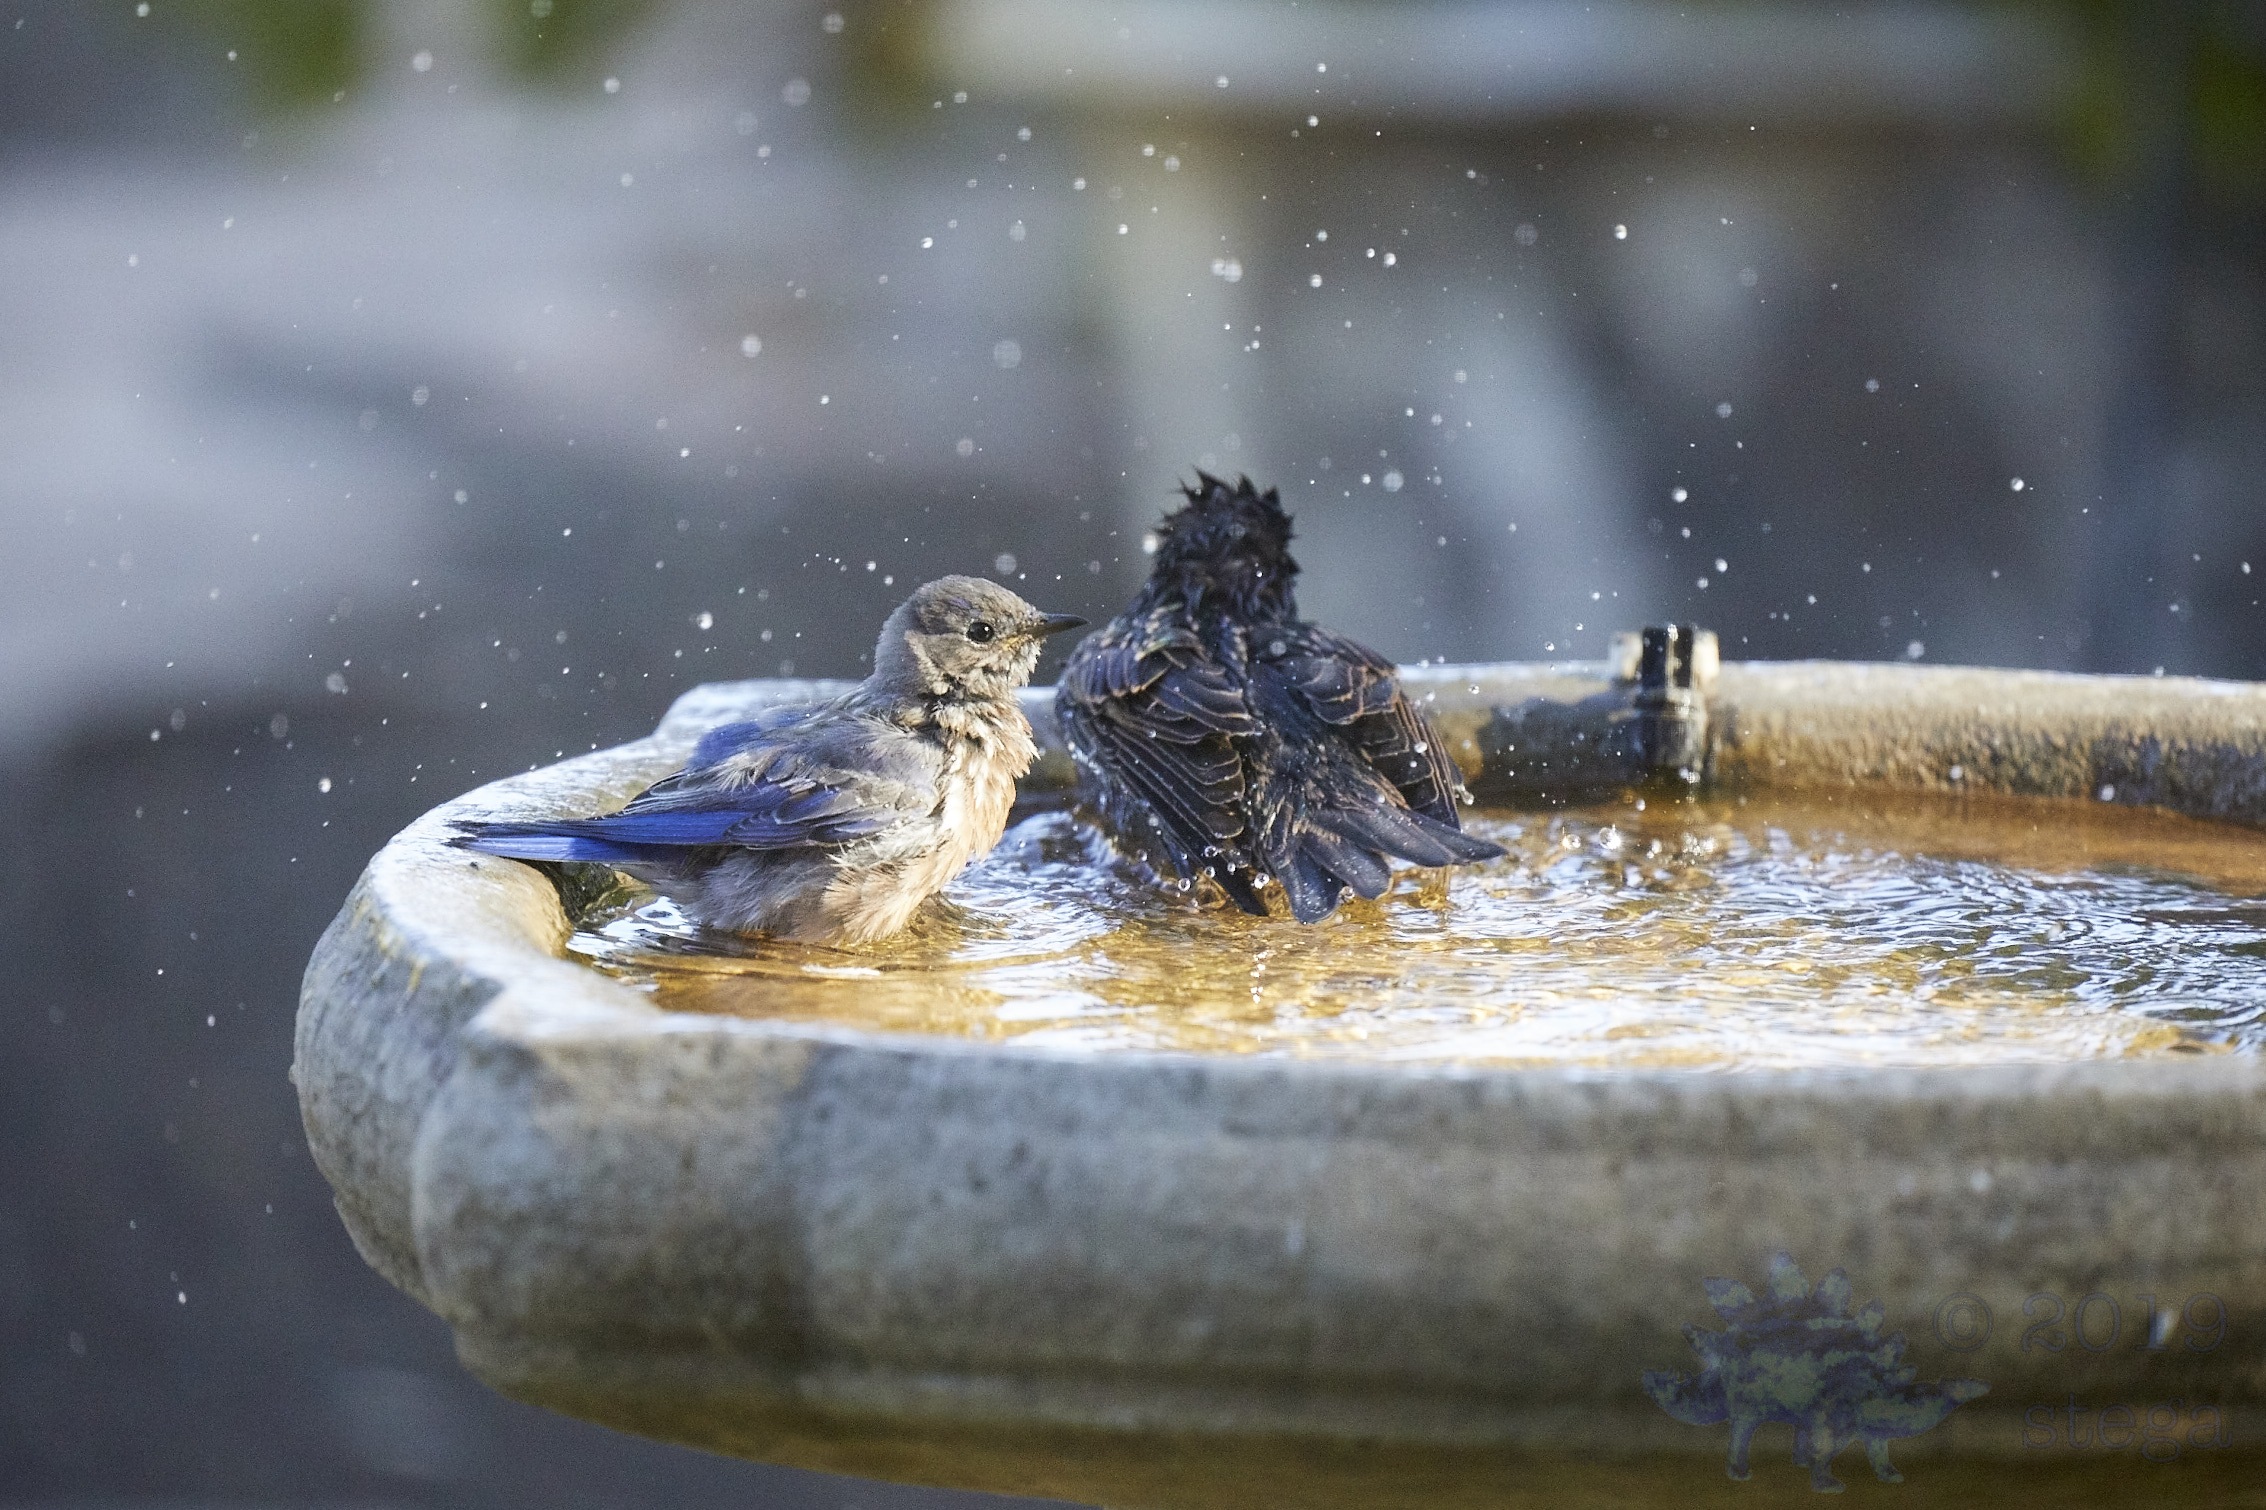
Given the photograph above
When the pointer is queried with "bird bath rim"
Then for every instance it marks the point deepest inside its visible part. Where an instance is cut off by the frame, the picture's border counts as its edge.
(819, 1244)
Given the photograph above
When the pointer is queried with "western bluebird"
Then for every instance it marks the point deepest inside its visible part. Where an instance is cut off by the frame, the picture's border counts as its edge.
(833, 823)
(1245, 742)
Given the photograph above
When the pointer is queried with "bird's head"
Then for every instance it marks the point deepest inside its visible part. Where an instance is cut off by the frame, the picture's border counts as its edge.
(963, 637)
(1230, 544)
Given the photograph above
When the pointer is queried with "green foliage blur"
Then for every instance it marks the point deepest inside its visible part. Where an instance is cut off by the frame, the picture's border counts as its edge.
(293, 53)
(2230, 116)
(2193, 68)
(289, 52)
(2213, 94)
(551, 39)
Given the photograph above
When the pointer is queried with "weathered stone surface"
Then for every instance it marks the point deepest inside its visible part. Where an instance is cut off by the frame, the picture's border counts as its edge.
(958, 1262)
(2194, 746)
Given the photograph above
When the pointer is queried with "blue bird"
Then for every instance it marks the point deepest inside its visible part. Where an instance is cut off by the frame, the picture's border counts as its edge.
(1217, 729)
(832, 823)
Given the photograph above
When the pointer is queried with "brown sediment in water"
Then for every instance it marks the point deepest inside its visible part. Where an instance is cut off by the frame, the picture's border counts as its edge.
(1820, 929)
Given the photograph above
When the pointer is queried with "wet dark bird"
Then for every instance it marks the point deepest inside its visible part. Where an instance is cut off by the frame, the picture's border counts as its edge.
(1220, 732)
(832, 823)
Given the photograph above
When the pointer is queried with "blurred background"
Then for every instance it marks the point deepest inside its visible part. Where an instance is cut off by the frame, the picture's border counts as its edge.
(395, 394)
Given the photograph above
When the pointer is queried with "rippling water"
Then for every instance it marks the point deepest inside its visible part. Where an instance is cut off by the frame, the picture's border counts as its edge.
(1715, 934)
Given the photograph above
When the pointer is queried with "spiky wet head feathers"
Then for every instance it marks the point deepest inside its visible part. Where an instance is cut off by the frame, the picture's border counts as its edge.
(1228, 549)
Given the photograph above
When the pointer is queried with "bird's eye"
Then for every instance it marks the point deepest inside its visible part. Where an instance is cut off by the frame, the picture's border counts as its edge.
(981, 632)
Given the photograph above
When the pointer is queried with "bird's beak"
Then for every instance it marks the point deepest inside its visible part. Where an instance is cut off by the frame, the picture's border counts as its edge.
(1052, 623)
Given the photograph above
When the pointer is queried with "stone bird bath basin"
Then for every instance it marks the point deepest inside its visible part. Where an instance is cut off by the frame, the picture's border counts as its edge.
(1183, 1280)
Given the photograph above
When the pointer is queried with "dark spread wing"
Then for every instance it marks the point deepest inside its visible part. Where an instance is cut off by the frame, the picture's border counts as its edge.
(1355, 774)
(771, 789)
(1144, 705)
(1356, 690)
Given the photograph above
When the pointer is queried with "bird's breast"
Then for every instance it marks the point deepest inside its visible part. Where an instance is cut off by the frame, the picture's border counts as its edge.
(982, 763)
(977, 799)
(865, 902)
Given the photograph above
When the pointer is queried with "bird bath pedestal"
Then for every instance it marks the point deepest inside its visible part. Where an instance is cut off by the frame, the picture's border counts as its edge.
(1179, 1280)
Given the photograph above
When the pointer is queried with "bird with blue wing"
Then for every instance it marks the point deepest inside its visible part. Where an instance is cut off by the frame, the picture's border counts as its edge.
(1217, 731)
(832, 823)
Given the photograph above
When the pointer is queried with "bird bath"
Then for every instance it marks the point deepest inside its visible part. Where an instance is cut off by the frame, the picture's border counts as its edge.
(962, 1214)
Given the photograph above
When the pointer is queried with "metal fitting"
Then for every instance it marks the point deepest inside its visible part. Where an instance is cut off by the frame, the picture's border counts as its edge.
(1674, 670)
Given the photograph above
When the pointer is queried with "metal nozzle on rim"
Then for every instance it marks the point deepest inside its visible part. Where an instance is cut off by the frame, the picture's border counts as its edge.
(1676, 665)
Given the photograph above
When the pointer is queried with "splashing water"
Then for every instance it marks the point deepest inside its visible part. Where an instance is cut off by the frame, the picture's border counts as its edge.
(1798, 931)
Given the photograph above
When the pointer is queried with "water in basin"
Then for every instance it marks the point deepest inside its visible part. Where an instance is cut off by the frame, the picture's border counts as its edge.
(1839, 929)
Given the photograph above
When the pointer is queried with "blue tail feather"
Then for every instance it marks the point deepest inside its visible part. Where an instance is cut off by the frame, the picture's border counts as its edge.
(527, 841)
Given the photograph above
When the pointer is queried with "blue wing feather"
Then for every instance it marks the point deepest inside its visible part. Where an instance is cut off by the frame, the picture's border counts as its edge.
(805, 801)
(785, 820)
